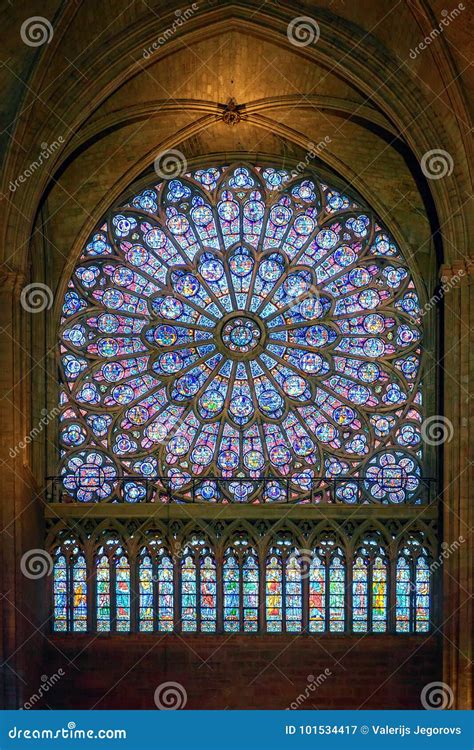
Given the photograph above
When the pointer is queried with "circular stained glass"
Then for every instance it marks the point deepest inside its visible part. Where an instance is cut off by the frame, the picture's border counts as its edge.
(241, 335)
(221, 328)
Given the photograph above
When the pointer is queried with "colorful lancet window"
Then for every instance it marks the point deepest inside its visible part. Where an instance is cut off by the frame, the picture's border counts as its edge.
(379, 595)
(232, 578)
(369, 588)
(299, 594)
(422, 595)
(293, 594)
(241, 590)
(250, 591)
(360, 594)
(103, 612)
(155, 590)
(274, 592)
(189, 593)
(146, 594)
(113, 600)
(284, 591)
(122, 593)
(69, 589)
(60, 593)
(165, 593)
(208, 587)
(79, 594)
(327, 588)
(413, 589)
(317, 592)
(198, 590)
(337, 593)
(239, 322)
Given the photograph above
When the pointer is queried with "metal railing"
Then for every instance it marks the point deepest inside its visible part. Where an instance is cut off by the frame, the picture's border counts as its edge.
(253, 490)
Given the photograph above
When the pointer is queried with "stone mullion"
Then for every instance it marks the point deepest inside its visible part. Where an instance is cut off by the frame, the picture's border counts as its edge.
(392, 588)
(262, 589)
(91, 587)
(305, 598)
(349, 598)
(134, 562)
(177, 585)
(113, 591)
(219, 560)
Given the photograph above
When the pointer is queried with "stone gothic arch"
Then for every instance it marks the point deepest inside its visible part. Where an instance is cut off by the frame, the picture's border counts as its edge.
(104, 117)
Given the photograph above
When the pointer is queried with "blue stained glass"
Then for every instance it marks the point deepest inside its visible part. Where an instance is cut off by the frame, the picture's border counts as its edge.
(360, 595)
(146, 595)
(103, 601)
(122, 594)
(60, 594)
(289, 605)
(79, 594)
(274, 595)
(413, 607)
(336, 582)
(255, 295)
(232, 594)
(188, 594)
(293, 595)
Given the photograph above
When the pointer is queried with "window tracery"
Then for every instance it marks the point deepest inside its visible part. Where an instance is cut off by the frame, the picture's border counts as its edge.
(238, 587)
(238, 323)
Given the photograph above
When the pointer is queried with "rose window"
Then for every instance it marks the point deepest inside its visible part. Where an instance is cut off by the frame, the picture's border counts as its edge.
(243, 334)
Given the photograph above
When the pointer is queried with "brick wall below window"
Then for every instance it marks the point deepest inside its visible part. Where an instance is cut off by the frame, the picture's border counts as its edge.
(238, 672)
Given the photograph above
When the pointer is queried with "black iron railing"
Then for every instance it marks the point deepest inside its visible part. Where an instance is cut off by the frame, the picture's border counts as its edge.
(256, 490)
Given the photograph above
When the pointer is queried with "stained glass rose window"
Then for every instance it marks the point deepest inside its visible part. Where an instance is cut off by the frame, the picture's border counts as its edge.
(240, 323)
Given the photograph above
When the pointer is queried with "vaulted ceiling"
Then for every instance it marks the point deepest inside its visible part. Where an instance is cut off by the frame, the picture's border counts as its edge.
(116, 83)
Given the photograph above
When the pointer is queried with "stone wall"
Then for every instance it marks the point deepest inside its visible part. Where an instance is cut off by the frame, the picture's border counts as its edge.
(238, 672)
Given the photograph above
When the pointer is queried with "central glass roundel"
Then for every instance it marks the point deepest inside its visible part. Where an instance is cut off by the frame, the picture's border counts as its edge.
(241, 335)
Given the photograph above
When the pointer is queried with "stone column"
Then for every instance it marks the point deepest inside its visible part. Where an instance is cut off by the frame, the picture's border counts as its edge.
(457, 368)
(20, 510)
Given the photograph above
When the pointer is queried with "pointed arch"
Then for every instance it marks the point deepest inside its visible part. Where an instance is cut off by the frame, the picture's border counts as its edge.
(70, 586)
(370, 582)
(112, 612)
(413, 585)
(156, 584)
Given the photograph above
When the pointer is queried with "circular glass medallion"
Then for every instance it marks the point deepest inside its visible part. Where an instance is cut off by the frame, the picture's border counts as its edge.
(241, 335)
